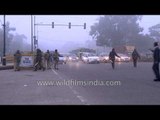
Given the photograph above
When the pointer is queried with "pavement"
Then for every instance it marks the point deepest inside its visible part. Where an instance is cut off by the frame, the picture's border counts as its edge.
(28, 87)
(7, 66)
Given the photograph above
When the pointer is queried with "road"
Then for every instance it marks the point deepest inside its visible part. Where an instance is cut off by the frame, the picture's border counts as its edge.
(81, 84)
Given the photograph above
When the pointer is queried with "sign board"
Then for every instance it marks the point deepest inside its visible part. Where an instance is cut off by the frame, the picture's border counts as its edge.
(26, 61)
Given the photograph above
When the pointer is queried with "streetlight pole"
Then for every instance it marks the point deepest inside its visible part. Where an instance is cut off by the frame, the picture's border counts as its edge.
(34, 31)
(4, 43)
(31, 33)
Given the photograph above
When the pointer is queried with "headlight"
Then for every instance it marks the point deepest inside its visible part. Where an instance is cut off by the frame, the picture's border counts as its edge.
(106, 58)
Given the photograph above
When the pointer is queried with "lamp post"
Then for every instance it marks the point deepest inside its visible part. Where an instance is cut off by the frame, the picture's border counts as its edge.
(31, 33)
(4, 43)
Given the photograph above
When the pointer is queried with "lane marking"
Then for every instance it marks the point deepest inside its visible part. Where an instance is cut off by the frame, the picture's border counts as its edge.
(84, 101)
(54, 71)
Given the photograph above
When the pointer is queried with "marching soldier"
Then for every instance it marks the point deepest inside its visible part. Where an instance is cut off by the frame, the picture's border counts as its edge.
(17, 58)
(56, 59)
(47, 59)
(39, 60)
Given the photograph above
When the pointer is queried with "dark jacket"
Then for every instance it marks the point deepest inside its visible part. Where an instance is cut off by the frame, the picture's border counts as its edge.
(156, 55)
(135, 55)
(112, 55)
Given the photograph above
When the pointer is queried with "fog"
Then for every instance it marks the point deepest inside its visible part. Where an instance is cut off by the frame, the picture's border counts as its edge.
(61, 37)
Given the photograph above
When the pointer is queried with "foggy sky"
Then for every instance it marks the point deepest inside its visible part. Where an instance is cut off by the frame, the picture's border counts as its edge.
(61, 37)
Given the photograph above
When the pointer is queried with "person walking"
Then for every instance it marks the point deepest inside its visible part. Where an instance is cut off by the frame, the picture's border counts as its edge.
(156, 60)
(17, 58)
(135, 57)
(112, 56)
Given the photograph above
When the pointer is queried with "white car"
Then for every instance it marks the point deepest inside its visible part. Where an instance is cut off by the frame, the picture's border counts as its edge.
(104, 57)
(123, 58)
(90, 58)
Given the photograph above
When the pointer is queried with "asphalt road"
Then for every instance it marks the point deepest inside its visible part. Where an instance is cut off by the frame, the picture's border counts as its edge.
(81, 84)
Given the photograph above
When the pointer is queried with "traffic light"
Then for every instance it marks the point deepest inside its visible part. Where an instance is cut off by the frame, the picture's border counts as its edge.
(84, 25)
(69, 25)
(52, 24)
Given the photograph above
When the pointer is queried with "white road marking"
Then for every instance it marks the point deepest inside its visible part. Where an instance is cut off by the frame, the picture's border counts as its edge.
(54, 71)
(84, 101)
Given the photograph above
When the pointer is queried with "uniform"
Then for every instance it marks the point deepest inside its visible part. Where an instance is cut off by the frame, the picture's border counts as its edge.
(17, 58)
(39, 60)
(56, 59)
(47, 59)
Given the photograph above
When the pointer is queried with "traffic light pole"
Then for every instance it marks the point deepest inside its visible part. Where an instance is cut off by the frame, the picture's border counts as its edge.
(52, 24)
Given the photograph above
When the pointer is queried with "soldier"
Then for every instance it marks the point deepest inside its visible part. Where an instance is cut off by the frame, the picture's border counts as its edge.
(112, 55)
(135, 56)
(47, 59)
(56, 59)
(156, 60)
(17, 58)
(39, 60)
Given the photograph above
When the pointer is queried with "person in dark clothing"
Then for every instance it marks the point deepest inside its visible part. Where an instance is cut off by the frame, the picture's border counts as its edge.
(112, 55)
(17, 58)
(47, 59)
(156, 60)
(135, 57)
(39, 60)
(56, 59)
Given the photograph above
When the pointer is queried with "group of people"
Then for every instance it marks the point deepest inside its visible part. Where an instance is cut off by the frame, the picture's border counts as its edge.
(136, 56)
(41, 61)
(49, 58)
(45, 61)
(113, 54)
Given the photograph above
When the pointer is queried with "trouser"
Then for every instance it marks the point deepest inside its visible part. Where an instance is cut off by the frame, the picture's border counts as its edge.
(40, 64)
(134, 62)
(47, 64)
(113, 63)
(156, 70)
(17, 67)
(56, 64)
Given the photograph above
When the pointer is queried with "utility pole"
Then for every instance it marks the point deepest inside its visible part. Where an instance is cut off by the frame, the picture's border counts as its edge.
(31, 33)
(34, 32)
(4, 45)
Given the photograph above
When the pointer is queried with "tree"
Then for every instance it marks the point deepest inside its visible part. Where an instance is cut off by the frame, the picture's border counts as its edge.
(116, 30)
(8, 39)
(13, 42)
(155, 32)
(18, 43)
